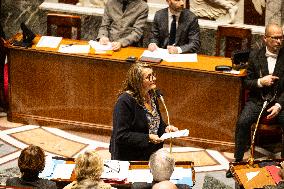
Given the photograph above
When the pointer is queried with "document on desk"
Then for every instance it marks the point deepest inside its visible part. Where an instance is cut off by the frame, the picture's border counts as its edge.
(114, 169)
(165, 55)
(182, 176)
(49, 167)
(71, 48)
(181, 57)
(159, 53)
(66, 174)
(176, 134)
(49, 41)
(98, 47)
(140, 175)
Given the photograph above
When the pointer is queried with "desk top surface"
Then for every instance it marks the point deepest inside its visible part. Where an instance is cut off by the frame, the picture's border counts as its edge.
(205, 63)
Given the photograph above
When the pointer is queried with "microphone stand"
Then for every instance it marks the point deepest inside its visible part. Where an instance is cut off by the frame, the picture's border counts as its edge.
(163, 102)
(252, 147)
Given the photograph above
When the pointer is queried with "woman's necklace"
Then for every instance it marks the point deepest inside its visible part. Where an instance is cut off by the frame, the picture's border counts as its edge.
(148, 104)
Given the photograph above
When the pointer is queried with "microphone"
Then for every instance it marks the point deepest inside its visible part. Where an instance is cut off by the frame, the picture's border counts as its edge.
(160, 96)
(251, 158)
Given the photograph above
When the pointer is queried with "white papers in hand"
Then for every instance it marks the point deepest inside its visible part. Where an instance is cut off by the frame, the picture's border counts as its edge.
(70, 48)
(175, 134)
(49, 41)
(98, 47)
(63, 171)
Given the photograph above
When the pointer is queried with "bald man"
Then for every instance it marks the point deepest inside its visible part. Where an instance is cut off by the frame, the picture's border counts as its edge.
(264, 80)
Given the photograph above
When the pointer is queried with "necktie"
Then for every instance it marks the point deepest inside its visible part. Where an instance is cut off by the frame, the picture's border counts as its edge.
(173, 29)
(124, 4)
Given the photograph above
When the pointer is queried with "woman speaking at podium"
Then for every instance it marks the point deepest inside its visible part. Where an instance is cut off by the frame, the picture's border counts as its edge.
(137, 121)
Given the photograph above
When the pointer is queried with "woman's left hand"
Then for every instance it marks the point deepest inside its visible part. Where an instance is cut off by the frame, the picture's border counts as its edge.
(171, 128)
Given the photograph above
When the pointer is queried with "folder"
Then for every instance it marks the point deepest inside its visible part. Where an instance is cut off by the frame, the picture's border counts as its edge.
(254, 177)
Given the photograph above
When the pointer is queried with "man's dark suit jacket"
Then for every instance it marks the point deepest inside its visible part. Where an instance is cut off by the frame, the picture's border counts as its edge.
(130, 134)
(258, 67)
(145, 185)
(187, 33)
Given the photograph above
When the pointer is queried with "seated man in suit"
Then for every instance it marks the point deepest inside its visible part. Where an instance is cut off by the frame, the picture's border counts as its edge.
(162, 166)
(264, 80)
(123, 22)
(176, 29)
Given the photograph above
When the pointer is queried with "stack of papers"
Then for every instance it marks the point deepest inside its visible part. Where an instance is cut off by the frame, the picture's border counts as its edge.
(100, 48)
(49, 41)
(176, 134)
(165, 55)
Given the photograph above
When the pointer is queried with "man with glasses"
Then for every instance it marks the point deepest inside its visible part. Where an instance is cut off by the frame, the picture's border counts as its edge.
(264, 80)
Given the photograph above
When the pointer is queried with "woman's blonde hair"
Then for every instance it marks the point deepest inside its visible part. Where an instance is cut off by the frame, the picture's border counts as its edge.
(133, 83)
(89, 165)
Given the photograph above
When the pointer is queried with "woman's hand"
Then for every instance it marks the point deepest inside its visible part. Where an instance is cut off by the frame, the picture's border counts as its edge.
(171, 128)
(155, 139)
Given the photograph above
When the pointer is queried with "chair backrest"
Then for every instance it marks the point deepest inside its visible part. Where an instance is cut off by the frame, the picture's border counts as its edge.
(235, 39)
(65, 25)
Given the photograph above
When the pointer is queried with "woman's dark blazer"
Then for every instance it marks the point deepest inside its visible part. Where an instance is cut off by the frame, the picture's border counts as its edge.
(130, 134)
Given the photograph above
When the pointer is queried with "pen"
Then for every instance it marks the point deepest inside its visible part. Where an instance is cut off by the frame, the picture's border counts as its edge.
(69, 45)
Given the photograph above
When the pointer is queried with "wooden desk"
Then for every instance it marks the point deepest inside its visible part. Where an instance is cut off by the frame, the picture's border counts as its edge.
(133, 165)
(79, 92)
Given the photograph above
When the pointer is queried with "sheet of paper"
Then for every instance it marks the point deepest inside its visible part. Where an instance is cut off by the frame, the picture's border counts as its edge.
(84, 49)
(114, 169)
(66, 174)
(233, 72)
(140, 175)
(181, 57)
(49, 41)
(48, 168)
(159, 53)
(176, 134)
(98, 47)
(165, 55)
(251, 175)
(182, 176)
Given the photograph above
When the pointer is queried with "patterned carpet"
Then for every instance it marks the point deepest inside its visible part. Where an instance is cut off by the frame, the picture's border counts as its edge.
(57, 142)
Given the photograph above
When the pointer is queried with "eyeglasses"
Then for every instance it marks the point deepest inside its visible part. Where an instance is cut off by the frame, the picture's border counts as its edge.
(151, 76)
(276, 37)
